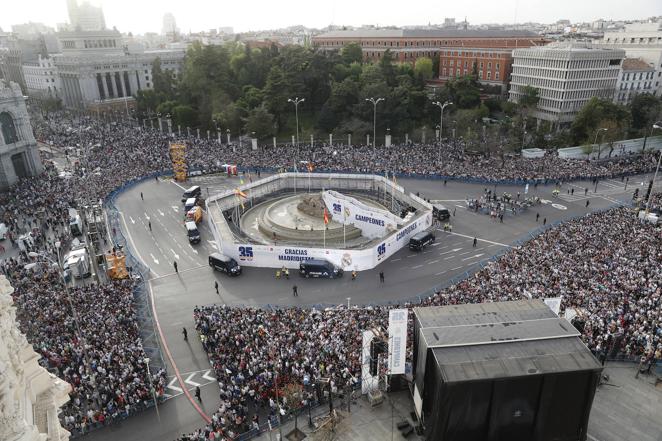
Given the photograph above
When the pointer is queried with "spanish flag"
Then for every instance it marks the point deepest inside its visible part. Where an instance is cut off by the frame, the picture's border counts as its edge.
(326, 216)
(240, 193)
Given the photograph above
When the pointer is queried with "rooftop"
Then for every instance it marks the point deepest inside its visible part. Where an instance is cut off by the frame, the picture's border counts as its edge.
(426, 33)
(636, 64)
(501, 339)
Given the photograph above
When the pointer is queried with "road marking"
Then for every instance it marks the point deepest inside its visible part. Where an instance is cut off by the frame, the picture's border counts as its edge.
(417, 266)
(449, 257)
(173, 387)
(131, 219)
(482, 240)
(559, 207)
(175, 208)
(446, 200)
(154, 258)
(146, 216)
(191, 382)
(207, 377)
(453, 269)
(472, 257)
(441, 272)
(436, 244)
(161, 213)
(194, 250)
(433, 262)
(133, 245)
(395, 260)
(212, 243)
(175, 254)
(450, 251)
(183, 188)
(411, 255)
(466, 252)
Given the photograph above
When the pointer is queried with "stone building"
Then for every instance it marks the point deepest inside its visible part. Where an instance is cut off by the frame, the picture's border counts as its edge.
(19, 155)
(30, 396)
(567, 76)
(636, 77)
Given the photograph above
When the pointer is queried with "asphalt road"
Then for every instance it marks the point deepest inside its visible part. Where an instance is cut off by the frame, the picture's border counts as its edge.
(407, 274)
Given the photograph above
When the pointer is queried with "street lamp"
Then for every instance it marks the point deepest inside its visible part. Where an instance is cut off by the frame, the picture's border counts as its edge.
(601, 129)
(374, 121)
(296, 102)
(441, 119)
(657, 125)
(151, 388)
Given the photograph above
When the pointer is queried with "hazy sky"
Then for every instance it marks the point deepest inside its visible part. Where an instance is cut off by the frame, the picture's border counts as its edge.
(141, 16)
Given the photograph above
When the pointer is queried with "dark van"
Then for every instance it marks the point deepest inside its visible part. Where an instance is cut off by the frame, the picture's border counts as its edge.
(319, 268)
(192, 232)
(421, 240)
(224, 263)
(440, 212)
(192, 192)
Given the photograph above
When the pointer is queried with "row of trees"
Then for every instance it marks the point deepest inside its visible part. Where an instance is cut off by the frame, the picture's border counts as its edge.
(246, 90)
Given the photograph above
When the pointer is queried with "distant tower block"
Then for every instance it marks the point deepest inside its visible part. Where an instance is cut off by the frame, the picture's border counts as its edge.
(178, 157)
(19, 155)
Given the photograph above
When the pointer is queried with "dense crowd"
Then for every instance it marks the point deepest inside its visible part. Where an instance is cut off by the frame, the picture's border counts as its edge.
(139, 151)
(607, 267)
(248, 346)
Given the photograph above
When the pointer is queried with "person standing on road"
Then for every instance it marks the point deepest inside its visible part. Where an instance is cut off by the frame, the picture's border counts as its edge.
(185, 334)
(149, 224)
(475, 241)
(381, 277)
(587, 203)
(295, 291)
(216, 286)
(141, 196)
(544, 221)
(197, 393)
(537, 217)
(175, 265)
(585, 191)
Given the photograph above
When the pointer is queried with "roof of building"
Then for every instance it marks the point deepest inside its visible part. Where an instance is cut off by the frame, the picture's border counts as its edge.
(501, 339)
(426, 33)
(636, 64)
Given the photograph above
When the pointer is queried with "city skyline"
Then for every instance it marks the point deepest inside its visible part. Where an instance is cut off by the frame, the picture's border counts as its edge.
(202, 15)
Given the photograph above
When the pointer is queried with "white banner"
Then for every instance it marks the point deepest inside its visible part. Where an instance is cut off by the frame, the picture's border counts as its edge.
(397, 340)
(554, 304)
(368, 382)
(372, 221)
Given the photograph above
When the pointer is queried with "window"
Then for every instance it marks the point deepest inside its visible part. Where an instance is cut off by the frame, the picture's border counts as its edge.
(496, 75)
(8, 128)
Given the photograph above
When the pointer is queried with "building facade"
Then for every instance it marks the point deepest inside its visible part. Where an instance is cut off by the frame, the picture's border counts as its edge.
(636, 77)
(85, 16)
(639, 40)
(19, 155)
(567, 76)
(30, 397)
(41, 78)
(95, 67)
(491, 48)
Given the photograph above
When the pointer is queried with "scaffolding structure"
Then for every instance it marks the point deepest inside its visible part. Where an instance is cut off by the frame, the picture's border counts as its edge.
(178, 158)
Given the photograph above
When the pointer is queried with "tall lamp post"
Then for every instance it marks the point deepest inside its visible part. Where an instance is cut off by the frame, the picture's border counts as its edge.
(601, 129)
(657, 125)
(296, 102)
(374, 102)
(441, 120)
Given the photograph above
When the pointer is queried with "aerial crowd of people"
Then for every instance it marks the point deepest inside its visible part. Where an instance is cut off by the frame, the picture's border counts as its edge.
(612, 280)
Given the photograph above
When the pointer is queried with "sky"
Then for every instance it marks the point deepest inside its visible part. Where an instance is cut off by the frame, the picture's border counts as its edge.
(140, 16)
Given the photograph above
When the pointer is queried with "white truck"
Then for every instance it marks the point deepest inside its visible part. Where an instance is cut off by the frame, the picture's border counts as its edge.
(77, 262)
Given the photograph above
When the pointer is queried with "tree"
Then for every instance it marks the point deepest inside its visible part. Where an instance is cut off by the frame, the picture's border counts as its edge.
(162, 79)
(423, 68)
(464, 92)
(183, 115)
(592, 114)
(645, 110)
(351, 53)
(261, 122)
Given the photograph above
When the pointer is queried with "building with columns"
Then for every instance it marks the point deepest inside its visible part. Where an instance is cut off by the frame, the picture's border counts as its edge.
(567, 76)
(41, 78)
(30, 397)
(96, 68)
(19, 155)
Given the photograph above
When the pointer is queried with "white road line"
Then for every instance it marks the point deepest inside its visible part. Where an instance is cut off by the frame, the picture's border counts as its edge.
(411, 255)
(173, 181)
(153, 258)
(481, 240)
(591, 437)
(161, 212)
(395, 260)
(453, 269)
(473, 257)
(449, 257)
(131, 219)
(433, 262)
(133, 245)
(175, 254)
(417, 266)
(207, 377)
(450, 251)
(436, 244)
(441, 272)
(466, 252)
(191, 382)
(173, 387)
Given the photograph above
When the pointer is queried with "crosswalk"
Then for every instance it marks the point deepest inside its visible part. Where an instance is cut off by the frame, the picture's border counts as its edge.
(191, 379)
